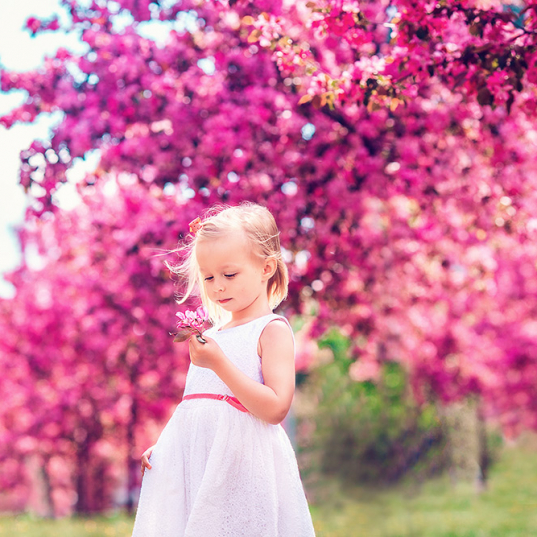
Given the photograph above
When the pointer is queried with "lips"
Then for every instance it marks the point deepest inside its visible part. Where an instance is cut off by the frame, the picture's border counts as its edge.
(224, 301)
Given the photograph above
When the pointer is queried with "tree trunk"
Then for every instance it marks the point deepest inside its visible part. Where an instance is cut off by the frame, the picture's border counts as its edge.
(82, 506)
(132, 462)
(466, 442)
(48, 489)
(484, 452)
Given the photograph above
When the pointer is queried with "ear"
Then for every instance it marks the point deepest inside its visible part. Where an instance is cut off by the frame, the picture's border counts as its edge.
(269, 269)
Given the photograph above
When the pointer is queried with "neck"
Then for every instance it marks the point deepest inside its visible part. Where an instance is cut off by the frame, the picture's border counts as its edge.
(259, 308)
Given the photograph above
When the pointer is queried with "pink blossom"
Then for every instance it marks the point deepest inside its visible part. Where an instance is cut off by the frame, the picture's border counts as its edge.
(191, 322)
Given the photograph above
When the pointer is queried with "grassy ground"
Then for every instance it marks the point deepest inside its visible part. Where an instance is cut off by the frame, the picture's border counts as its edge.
(116, 526)
(508, 508)
(436, 509)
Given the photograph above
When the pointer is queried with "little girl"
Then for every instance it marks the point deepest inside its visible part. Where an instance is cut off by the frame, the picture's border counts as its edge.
(223, 465)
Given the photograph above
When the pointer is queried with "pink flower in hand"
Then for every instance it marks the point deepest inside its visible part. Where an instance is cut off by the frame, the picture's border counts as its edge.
(191, 323)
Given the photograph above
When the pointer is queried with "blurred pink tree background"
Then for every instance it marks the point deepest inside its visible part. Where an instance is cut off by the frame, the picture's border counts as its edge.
(395, 144)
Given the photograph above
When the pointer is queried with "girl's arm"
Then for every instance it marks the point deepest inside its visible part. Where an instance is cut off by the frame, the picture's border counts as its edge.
(270, 401)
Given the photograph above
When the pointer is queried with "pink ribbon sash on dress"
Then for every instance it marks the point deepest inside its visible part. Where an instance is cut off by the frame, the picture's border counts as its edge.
(233, 401)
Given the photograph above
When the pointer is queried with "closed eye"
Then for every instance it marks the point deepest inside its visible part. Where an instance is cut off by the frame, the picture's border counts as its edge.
(230, 275)
(208, 279)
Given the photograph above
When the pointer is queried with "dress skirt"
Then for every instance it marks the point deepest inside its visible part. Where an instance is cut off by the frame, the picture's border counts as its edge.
(219, 472)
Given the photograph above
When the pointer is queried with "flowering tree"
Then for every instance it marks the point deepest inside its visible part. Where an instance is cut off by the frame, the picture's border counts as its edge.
(86, 356)
(393, 143)
(383, 53)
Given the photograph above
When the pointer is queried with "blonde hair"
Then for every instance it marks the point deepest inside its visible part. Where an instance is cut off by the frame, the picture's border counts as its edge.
(259, 227)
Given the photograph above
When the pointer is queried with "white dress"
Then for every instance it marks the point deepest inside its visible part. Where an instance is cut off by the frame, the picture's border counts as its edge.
(220, 472)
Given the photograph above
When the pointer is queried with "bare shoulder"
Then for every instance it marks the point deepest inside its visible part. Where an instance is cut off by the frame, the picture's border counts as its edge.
(277, 334)
(277, 328)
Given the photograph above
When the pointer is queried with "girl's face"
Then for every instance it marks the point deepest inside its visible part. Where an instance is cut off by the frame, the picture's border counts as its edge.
(234, 277)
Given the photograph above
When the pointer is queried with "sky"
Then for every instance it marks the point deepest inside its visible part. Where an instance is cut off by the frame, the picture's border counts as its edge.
(21, 52)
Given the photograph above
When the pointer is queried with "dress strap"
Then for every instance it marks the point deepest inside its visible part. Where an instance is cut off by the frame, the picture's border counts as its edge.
(233, 401)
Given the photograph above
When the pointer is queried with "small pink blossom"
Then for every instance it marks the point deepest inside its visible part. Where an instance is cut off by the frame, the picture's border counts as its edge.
(191, 323)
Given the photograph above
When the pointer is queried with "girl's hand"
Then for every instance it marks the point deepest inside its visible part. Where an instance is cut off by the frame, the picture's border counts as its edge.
(145, 459)
(207, 355)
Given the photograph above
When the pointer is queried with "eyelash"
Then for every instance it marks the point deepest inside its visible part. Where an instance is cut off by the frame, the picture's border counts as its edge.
(229, 276)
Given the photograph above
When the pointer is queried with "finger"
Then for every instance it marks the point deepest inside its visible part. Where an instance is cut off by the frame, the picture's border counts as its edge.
(195, 341)
(144, 467)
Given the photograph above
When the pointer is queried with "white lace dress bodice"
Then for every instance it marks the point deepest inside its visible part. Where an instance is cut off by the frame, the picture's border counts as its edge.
(238, 344)
(219, 472)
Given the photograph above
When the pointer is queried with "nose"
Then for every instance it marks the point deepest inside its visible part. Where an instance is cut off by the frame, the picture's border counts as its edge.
(220, 285)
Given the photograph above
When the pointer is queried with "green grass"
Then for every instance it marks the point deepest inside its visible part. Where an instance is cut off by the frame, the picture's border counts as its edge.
(436, 509)
(508, 508)
(114, 526)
